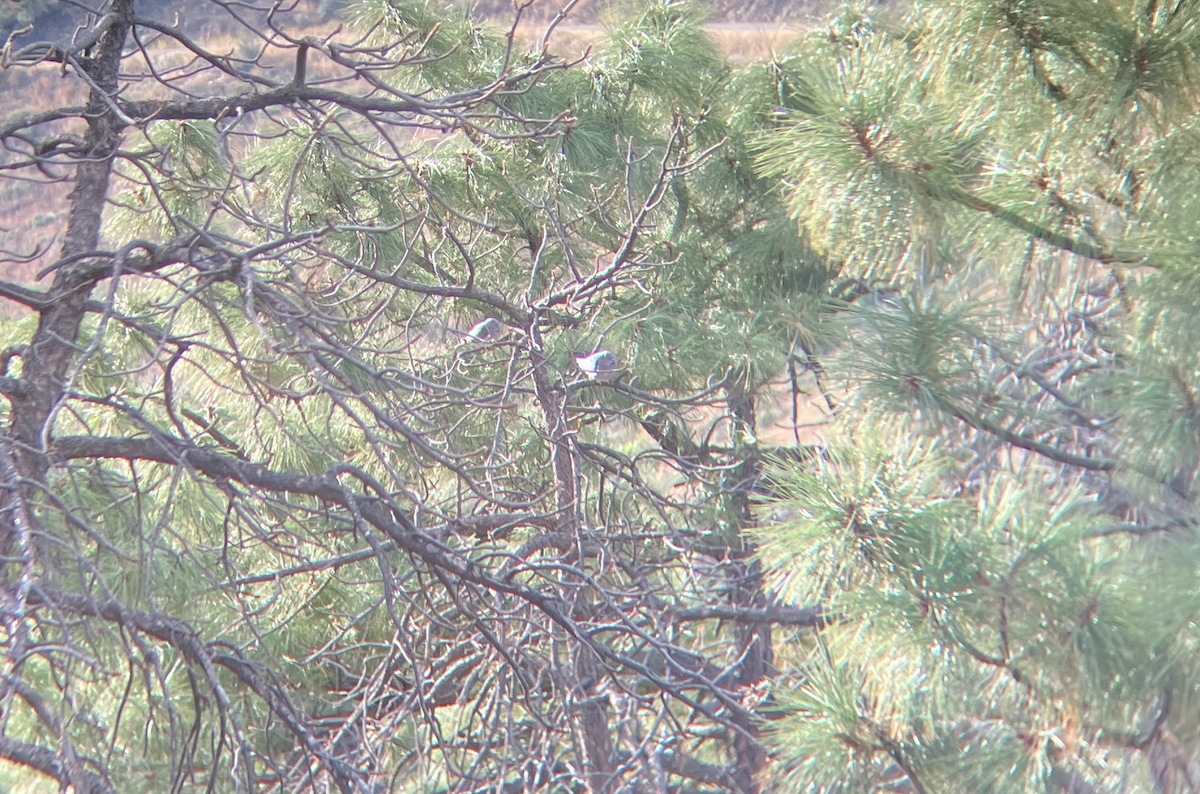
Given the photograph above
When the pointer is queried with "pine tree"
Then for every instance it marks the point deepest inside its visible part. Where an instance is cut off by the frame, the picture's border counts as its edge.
(276, 519)
(305, 490)
(1000, 532)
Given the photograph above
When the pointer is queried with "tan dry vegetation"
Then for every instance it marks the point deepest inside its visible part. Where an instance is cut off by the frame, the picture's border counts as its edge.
(32, 206)
(593, 11)
(753, 41)
(740, 41)
(775, 406)
(32, 203)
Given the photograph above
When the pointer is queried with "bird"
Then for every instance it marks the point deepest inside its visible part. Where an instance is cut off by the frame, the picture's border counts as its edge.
(601, 365)
(486, 330)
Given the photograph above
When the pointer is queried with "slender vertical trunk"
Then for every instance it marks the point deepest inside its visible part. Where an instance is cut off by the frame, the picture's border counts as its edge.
(753, 641)
(587, 672)
(48, 358)
(47, 362)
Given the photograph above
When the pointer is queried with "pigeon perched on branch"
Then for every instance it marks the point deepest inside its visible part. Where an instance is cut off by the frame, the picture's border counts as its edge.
(488, 330)
(601, 366)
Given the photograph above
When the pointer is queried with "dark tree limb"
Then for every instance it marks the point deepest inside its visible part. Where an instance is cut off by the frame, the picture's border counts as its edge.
(47, 762)
(800, 617)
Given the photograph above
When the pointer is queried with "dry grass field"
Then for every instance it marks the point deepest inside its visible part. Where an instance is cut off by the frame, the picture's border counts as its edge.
(33, 205)
(740, 41)
(720, 11)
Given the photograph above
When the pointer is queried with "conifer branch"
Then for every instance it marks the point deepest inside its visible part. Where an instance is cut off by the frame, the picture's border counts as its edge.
(1044, 234)
(799, 617)
(1025, 442)
(399, 528)
(47, 762)
(187, 640)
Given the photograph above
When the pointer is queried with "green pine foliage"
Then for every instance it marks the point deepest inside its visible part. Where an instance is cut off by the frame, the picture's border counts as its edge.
(1001, 528)
(339, 356)
(966, 228)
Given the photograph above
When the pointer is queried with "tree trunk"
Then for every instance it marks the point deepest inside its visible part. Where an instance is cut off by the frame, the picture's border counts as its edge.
(49, 356)
(753, 640)
(587, 671)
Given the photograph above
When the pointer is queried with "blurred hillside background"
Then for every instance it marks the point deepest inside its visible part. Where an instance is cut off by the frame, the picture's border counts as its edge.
(52, 15)
(31, 213)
